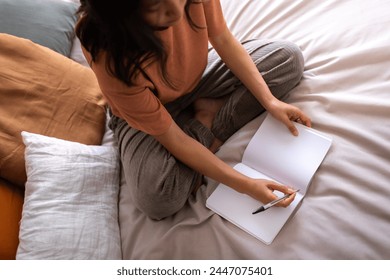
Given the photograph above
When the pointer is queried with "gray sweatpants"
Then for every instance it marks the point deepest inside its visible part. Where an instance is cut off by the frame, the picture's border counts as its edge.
(159, 184)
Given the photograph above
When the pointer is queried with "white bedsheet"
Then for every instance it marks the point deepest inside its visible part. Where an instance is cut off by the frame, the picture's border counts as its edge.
(346, 91)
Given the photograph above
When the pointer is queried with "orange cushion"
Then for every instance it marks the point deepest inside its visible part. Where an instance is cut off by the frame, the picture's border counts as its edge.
(46, 93)
(11, 204)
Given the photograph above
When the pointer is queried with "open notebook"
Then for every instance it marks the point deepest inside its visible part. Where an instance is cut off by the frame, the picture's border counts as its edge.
(274, 154)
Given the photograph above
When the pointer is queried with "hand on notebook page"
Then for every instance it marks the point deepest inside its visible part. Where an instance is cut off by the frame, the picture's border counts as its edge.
(263, 190)
(288, 114)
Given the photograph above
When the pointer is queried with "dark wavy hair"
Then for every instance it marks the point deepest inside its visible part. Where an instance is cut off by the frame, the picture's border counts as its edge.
(117, 28)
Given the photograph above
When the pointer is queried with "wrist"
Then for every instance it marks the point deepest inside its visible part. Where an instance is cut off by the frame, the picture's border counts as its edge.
(271, 104)
(246, 185)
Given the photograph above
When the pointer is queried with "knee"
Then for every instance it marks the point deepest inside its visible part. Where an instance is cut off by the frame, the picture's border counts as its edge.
(297, 60)
(164, 195)
(282, 68)
(292, 60)
(158, 206)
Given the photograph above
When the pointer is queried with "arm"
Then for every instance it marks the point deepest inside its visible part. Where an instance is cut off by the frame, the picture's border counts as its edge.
(241, 64)
(199, 158)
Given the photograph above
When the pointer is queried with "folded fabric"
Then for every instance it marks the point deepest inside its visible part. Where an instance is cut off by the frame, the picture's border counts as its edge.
(46, 93)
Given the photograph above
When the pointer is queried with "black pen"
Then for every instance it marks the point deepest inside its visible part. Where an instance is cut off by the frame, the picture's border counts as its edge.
(272, 203)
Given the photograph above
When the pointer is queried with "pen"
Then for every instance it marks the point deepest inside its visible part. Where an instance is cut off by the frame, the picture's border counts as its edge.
(272, 203)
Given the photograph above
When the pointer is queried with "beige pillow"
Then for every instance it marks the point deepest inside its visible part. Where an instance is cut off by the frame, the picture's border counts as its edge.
(44, 92)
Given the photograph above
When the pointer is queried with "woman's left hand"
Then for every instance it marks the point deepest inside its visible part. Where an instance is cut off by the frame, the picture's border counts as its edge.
(287, 114)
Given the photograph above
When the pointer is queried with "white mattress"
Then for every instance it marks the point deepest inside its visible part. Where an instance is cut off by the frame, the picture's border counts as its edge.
(346, 91)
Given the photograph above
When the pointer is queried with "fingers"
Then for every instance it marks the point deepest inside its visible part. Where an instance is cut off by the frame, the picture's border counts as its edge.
(281, 188)
(303, 119)
(286, 202)
(288, 114)
(298, 117)
(264, 192)
(284, 189)
(292, 128)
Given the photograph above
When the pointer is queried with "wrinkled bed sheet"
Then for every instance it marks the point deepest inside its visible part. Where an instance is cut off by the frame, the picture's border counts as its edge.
(346, 91)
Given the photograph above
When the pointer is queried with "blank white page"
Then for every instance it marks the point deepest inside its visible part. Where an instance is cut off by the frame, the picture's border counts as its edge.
(291, 160)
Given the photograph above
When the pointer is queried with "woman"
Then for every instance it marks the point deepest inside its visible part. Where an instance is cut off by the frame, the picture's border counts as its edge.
(174, 102)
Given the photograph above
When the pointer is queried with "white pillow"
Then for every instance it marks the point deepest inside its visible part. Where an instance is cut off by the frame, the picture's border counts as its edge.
(71, 201)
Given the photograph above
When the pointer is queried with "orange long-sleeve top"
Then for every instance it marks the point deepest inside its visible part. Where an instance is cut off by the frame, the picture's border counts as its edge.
(142, 105)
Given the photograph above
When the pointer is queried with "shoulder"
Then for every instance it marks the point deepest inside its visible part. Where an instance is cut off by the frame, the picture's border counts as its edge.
(214, 17)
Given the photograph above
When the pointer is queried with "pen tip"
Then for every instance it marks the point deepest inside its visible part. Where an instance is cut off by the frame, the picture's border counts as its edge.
(258, 210)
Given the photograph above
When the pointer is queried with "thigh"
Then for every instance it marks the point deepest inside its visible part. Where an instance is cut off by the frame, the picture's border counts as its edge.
(281, 66)
(159, 184)
(280, 63)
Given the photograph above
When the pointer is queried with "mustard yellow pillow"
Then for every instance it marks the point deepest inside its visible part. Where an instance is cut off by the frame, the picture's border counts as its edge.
(11, 205)
(46, 93)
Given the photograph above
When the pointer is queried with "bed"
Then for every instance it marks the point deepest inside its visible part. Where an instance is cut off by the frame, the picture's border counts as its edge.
(345, 90)
(86, 211)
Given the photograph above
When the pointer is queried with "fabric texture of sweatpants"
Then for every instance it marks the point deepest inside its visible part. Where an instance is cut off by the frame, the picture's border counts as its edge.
(159, 184)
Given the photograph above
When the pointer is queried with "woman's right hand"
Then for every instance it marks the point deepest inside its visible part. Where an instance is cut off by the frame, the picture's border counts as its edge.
(263, 191)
